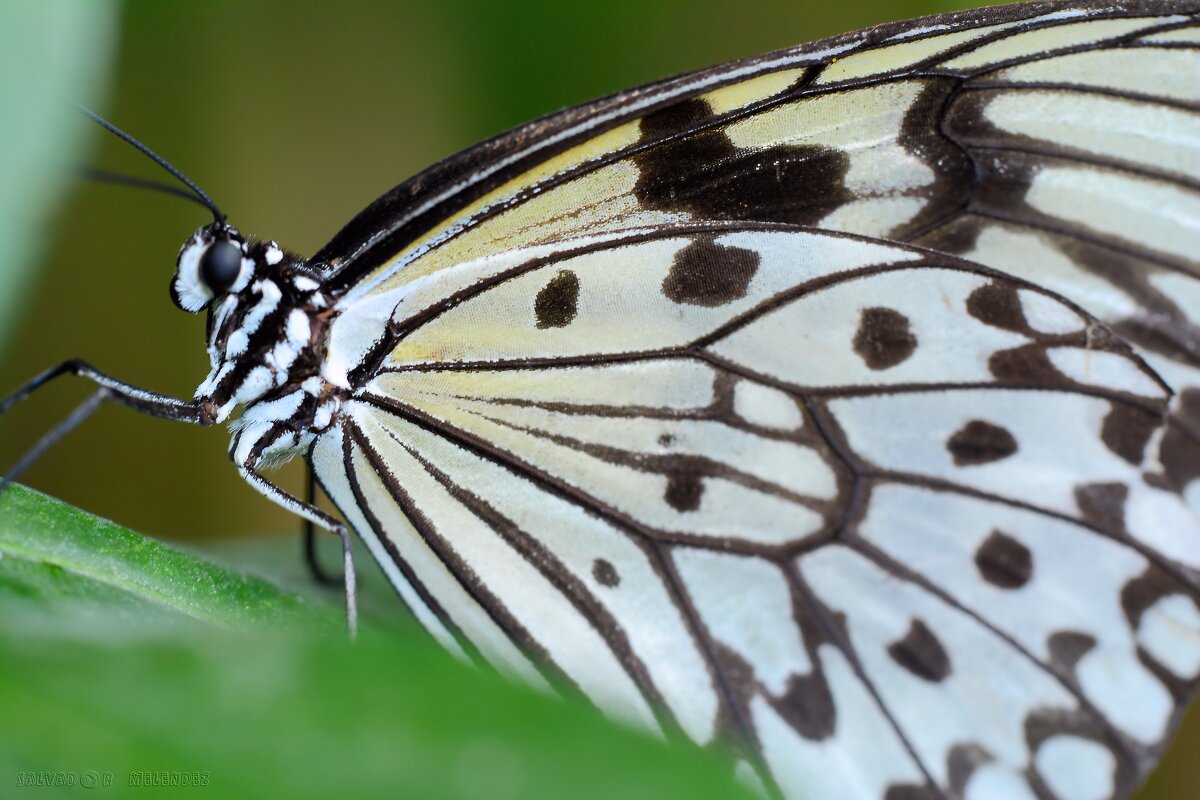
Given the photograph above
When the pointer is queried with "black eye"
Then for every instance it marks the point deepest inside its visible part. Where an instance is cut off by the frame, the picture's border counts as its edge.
(220, 265)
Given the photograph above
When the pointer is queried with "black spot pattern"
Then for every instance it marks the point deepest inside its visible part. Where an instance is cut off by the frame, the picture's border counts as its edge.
(998, 305)
(1179, 451)
(704, 174)
(709, 274)
(910, 791)
(953, 170)
(808, 706)
(980, 442)
(605, 573)
(1103, 504)
(884, 338)
(921, 653)
(1067, 648)
(1027, 364)
(1143, 592)
(1003, 561)
(558, 301)
(684, 490)
(1127, 429)
(961, 764)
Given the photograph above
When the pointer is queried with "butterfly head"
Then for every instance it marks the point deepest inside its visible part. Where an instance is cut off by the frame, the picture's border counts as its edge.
(215, 262)
(268, 315)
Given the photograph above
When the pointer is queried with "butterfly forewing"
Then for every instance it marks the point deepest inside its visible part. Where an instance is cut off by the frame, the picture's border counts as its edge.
(884, 521)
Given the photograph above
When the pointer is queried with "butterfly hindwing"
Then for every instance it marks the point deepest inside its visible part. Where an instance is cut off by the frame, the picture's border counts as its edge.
(741, 481)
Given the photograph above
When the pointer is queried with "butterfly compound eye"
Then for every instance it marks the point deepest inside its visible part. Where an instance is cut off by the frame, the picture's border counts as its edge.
(220, 266)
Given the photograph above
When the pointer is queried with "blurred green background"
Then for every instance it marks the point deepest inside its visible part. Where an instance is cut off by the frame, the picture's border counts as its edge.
(293, 116)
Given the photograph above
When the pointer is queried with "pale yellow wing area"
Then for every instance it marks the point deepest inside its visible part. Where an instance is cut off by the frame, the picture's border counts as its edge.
(851, 141)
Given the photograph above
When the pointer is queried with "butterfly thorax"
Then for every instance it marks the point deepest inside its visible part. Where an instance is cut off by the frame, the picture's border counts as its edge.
(268, 321)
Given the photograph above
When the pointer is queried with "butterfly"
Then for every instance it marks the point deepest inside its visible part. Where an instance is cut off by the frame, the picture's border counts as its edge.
(836, 408)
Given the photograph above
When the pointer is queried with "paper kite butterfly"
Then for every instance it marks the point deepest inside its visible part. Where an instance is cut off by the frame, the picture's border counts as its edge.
(839, 407)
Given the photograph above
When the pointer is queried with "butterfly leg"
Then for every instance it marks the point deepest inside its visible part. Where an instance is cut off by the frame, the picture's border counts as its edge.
(313, 515)
(310, 536)
(142, 400)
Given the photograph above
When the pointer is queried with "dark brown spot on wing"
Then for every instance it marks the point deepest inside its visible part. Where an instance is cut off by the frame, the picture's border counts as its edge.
(705, 273)
(961, 764)
(921, 653)
(998, 305)
(1127, 429)
(980, 442)
(1067, 648)
(1027, 364)
(910, 791)
(1180, 451)
(685, 487)
(605, 573)
(1144, 591)
(808, 706)
(1103, 504)
(676, 119)
(953, 169)
(884, 338)
(1003, 561)
(558, 301)
(704, 174)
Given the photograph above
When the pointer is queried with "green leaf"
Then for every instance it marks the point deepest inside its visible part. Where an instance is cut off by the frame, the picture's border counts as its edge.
(120, 656)
(56, 50)
(55, 558)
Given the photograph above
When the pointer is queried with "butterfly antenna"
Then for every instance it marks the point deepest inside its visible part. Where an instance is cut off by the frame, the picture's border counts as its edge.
(119, 179)
(199, 193)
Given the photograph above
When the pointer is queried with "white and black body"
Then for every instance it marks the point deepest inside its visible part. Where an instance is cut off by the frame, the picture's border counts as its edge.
(267, 319)
(267, 316)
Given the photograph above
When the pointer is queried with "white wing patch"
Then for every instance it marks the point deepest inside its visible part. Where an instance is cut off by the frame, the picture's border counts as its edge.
(897, 57)
(1136, 132)
(595, 553)
(1034, 258)
(897, 631)
(1077, 769)
(1032, 447)
(1061, 37)
(1150, 214)
(753, 618)
(1168, 74)
(1169, 632)
(766, 407)
(1039, 581)
(631, 298)
(928, 320)
(1188, 35)
(858, 760)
